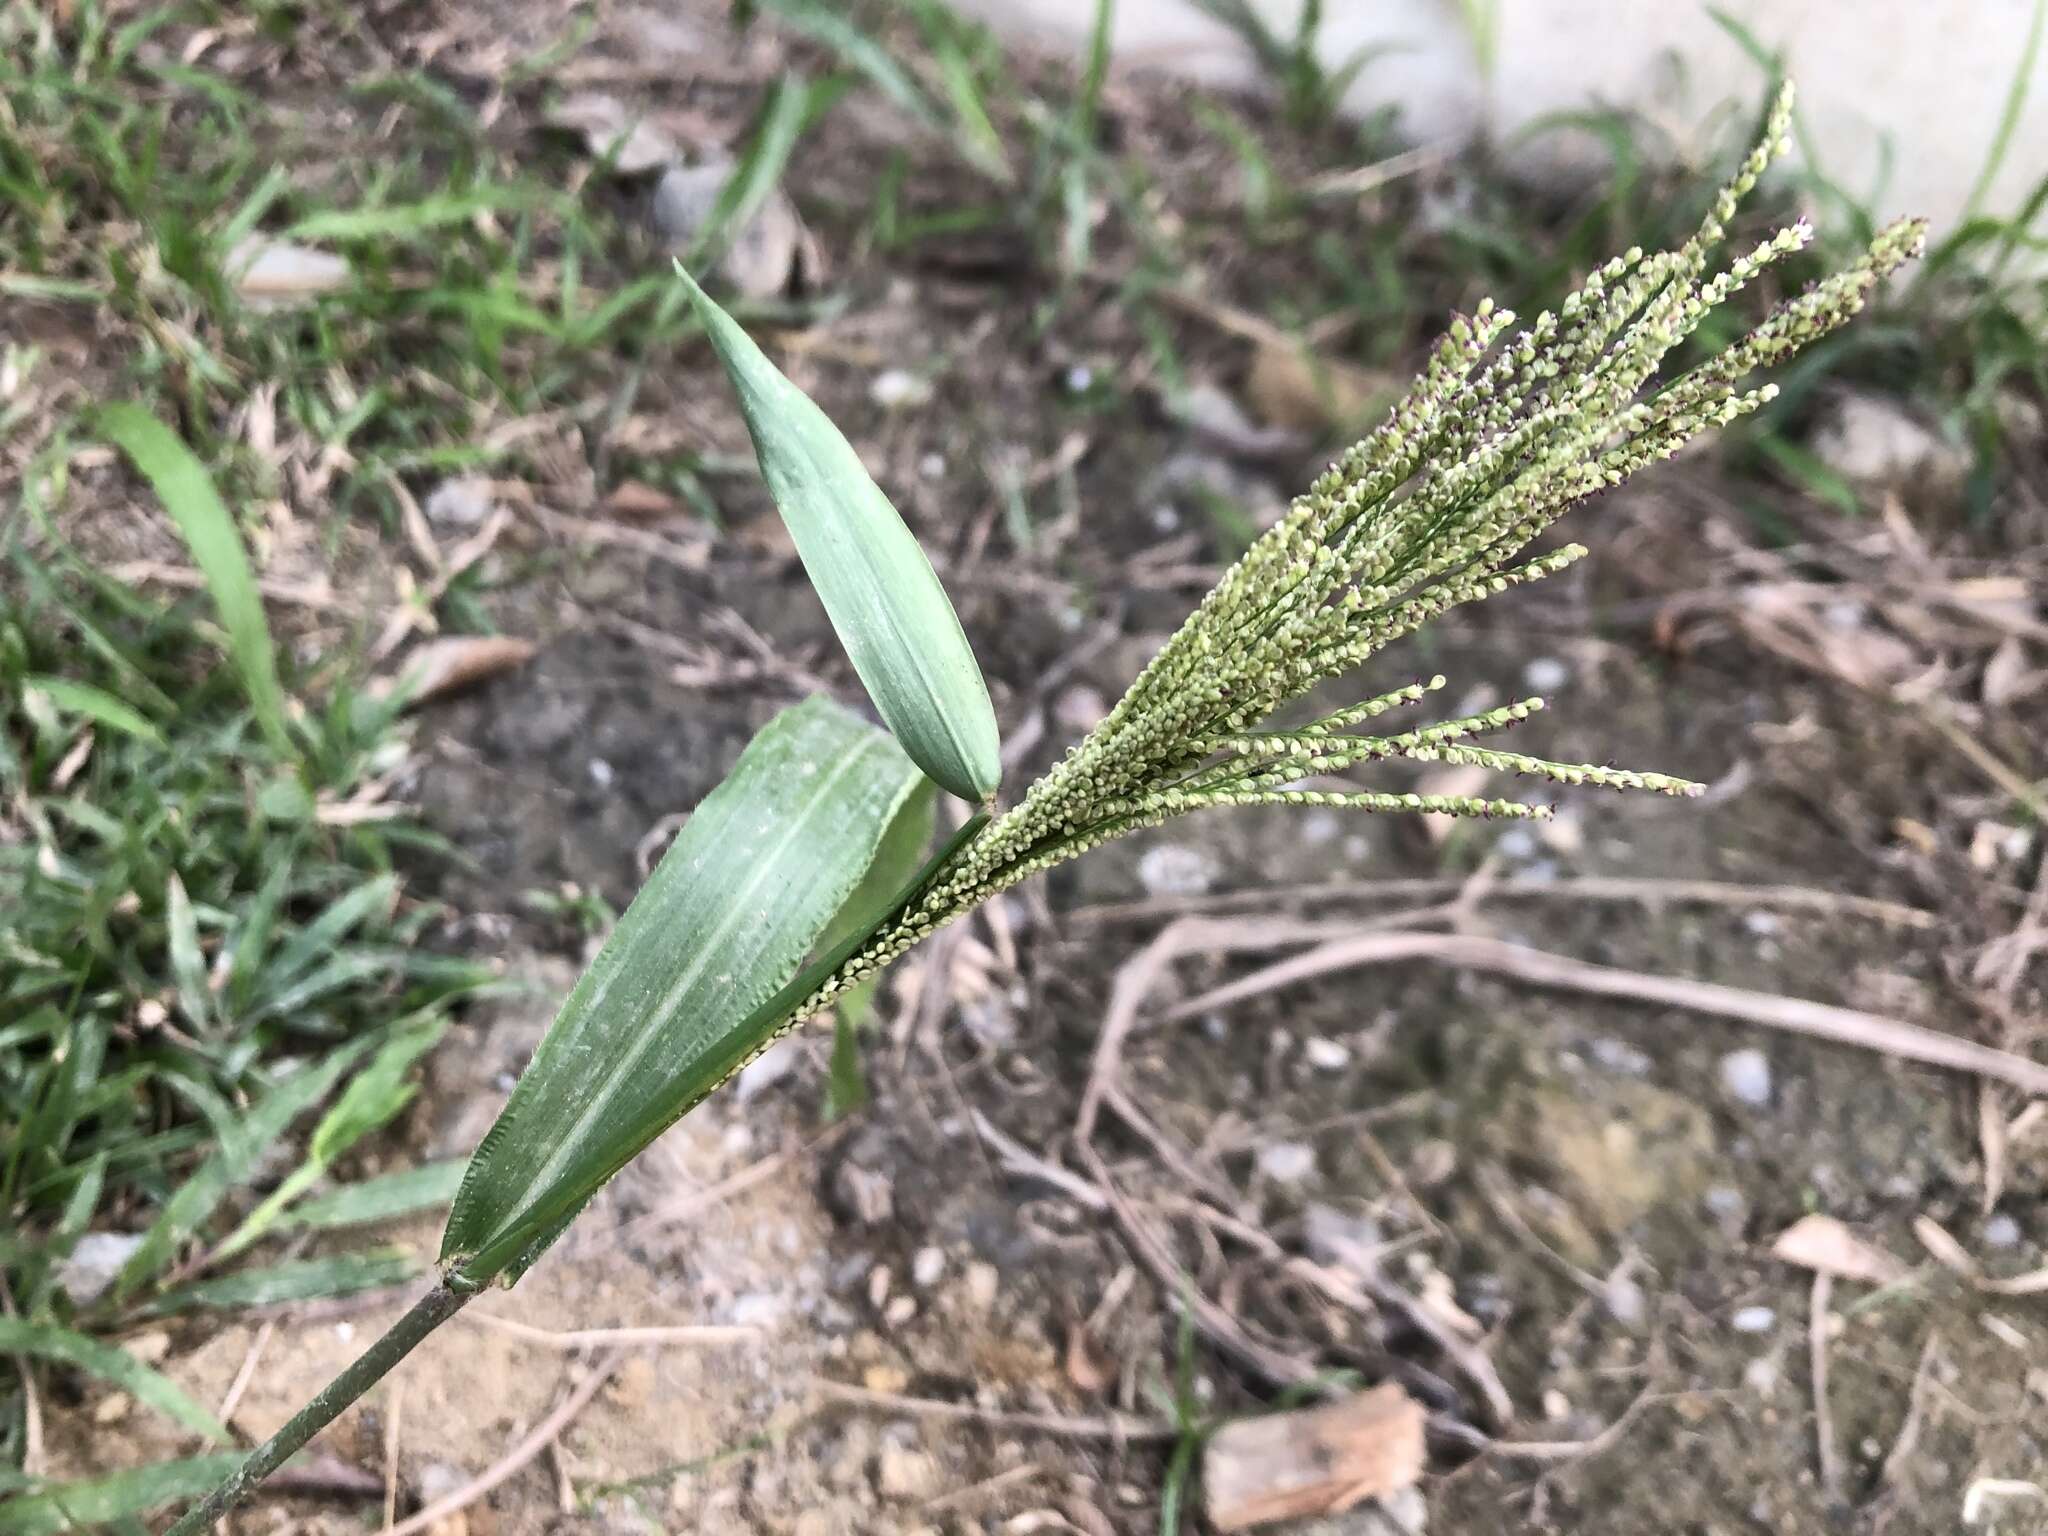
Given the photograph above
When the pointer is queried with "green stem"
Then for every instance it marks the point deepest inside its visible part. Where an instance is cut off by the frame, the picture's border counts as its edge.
(427, 1314)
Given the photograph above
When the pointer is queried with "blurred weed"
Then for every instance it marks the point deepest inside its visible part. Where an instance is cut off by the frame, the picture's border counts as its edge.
(202, 938)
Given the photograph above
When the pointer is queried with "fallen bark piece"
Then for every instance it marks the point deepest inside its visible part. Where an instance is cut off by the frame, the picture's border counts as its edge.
(1313, 1461)
(1825, 1246)
(455, 661)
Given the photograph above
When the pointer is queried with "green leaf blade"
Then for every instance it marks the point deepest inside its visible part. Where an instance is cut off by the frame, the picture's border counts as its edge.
(145, 1385)
(98, 706)
(884, 599)
(186, 491)
(381, 1198)
(94, 1502)
(188, 963)
(241, 1145)
(294, 1280)
(672, 1005)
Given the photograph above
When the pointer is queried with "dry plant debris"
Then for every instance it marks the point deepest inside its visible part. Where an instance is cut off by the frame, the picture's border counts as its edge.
(1312, 1461)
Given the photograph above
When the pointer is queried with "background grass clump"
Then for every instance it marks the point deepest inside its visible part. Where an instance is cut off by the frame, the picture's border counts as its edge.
(202, 937)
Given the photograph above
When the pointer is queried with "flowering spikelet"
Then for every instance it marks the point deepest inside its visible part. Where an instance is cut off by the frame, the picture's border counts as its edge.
(1503, 432)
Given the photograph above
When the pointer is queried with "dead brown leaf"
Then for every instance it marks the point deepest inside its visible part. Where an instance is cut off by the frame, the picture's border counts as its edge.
(1786, 620)
(1291, 386)
(1944, 1249)
(269, 274)
(455, 661)
(1313, 1461)
(1827, 1247)
(1089, 1366)
(2005, 672)
(638, 499)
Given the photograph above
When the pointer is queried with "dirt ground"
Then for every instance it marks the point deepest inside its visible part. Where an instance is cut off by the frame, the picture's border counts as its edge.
(1578, 1193)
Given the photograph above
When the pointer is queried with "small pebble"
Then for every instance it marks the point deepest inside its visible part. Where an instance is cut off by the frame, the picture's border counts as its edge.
(767, 1069)
(1326, 1055)
(1516, 845)
(150, 1348)
(900, 1311)
(1754, 1320)
(1763, 924)
(1287, 1162)
(758, 1309)
(86, 1272)
(1546, 674)
(1761, 1375)
(1625, 1303)
(932, 466)
(2001, 1231)
(929, 1264)
(1320, 827)
(983, 1281)
(1746, 1074)
(601, 773)
(1174, 869)
(437, 1479)
(1726, 1201)
(894, 388)
(905, 1473)
(459, 503)
(1079, 708)
(1336, 1237)
(1620, 1057)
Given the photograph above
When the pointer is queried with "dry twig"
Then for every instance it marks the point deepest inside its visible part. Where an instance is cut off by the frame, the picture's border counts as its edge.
(512, 1461)
(1618, 889)
(570, 1340)
(1820, 1021)
(1121, 1428)
(1831, 1478)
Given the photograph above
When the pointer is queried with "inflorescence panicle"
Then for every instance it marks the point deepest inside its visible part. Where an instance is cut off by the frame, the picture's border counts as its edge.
(1503, 432)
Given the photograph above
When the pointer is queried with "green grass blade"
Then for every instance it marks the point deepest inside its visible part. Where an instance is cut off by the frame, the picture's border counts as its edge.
(317, 941)
(372, 1099)
(299, 1280)
(668, 1009)
(94, 1502)
(1088, 105)
(251, 938)
(777, 127)
(188, 962)
(98, 706)
(382, 1198)
(883, 596)
(197, 1198)
(110, 1364)
(407, 221)
(2009, 118)
(182, 484)
(824, 24)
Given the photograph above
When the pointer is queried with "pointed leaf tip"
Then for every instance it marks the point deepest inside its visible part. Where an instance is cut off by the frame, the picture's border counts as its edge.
(884, 599)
